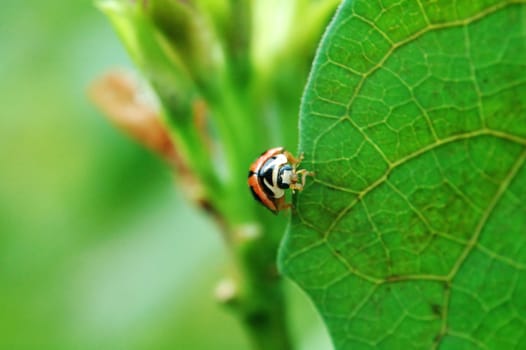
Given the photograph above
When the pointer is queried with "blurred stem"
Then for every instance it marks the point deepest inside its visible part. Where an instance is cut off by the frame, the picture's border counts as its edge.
(238, 36)
(260, 304)
(192, 61)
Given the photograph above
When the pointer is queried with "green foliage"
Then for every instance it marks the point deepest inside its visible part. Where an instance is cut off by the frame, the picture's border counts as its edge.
(97, 246)
(412, 234)
(229, 88)
(190, 53)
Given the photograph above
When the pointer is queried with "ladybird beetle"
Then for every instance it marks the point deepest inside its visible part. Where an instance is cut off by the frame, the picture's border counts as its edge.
(271, 174)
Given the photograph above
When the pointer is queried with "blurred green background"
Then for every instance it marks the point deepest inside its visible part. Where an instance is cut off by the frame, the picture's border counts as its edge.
(98, 249)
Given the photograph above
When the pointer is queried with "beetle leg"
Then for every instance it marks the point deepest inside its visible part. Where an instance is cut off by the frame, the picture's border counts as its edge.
(293, 160)
(296, 187)
(281, 204)
(304, 173)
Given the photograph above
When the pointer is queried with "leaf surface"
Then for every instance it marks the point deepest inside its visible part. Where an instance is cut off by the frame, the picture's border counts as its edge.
(412, 233)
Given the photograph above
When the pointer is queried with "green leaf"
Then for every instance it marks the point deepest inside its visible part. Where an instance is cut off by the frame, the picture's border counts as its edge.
(413, 232)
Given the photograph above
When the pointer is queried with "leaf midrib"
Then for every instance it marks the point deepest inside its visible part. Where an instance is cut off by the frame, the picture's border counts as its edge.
(393, 165)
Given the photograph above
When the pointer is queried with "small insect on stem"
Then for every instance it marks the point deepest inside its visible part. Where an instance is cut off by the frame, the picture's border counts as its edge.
(275, 171)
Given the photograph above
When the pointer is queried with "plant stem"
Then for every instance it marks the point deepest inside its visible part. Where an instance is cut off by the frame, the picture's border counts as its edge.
(260, 304)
